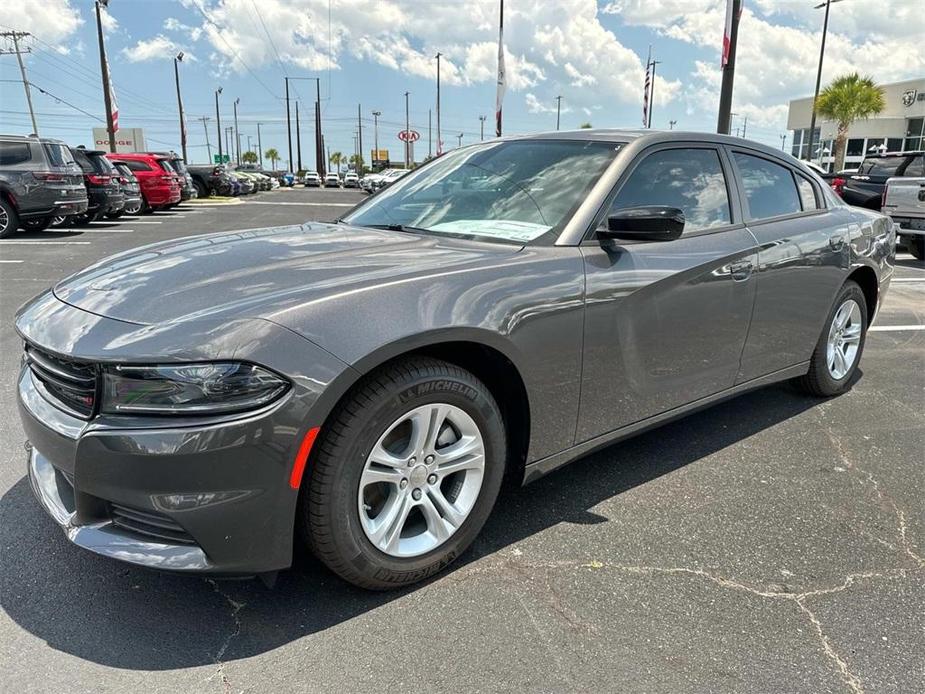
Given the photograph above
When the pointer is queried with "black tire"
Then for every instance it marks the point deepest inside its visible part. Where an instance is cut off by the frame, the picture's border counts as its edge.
(115, 215)
(818, 380)
(201, 190)
(60, 221)
(916, 247)
(39, 224)
(328, 517)
(79, 220)
(9, 219)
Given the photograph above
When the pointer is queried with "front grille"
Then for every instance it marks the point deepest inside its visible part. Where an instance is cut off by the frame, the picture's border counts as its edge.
(148, 523)
(70, 385)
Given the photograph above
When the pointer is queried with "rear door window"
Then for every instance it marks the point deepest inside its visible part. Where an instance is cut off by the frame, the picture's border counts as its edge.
(770, 190)
(690, 179)
(135, 165)
(13, 153)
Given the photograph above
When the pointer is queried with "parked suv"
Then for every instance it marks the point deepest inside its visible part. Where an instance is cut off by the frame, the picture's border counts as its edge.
(38, 181)
(865, 188)
(187, 189)
(130, 188)
(211, 180)
(904, 201)
(159, 186)
(102, 184)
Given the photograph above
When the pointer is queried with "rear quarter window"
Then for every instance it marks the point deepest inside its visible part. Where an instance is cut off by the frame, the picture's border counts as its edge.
(769, 188)
(13, 153)
(58, 155)
(137, 165)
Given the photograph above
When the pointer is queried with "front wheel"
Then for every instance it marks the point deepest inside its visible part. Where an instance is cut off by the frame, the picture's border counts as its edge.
(39, 224)
(838, 352)
(9, 220)
(916, 246)
(405, 474)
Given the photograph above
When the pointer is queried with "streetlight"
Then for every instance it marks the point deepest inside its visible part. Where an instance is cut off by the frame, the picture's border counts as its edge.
(319, 138)
(482, 127)
(376, 115)
(176, 74)
(237, 135)
(459, 140)
(407, 133)
(825, 28)
(558, 110)
(218, 126)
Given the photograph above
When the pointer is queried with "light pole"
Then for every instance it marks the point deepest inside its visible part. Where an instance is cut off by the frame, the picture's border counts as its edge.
(298, 137)
(783, 142)
(319, 137)
(558, 110)
(176, 74)
(259, 148)
(218, 126)
(825, 28)
(229, 131)
(439, 141)
(482, 127)
(104, 71)
(459, 140)
(407, 132)
(376, 115)
(237, 136)
(671, 124)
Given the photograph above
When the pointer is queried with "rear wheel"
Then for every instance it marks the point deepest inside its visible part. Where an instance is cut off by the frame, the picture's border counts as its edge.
(115, 215)
(133, 208)
(404, 475)
(59, 220)
(9, 220)
(201, 190)
(39, 224)
(916, 247)
(838, 352)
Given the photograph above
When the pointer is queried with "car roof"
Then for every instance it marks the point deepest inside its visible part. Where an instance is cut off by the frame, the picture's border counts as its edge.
(907, 153)
(33, 138)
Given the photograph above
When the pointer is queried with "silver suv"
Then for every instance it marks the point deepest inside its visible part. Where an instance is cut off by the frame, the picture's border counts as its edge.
(39, 180)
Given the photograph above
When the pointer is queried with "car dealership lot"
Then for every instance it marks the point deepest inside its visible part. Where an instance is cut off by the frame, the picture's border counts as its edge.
(771, 543)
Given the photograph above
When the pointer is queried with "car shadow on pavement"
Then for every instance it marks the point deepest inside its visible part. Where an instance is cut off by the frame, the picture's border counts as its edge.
(120, 616)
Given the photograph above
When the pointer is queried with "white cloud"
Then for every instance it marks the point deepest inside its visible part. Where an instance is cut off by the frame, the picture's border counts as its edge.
(157, 48)
(51, 21)
(110, 23)
(534, 105)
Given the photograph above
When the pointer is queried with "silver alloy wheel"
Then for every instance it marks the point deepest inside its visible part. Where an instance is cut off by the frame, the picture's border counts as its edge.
(4, 220)
(841, 350)
(134, 209)
(58, 220)
(421, 480)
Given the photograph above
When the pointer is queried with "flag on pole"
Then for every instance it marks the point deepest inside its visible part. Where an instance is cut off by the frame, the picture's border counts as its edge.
(646, 90)
(727, 34)
(112, 100)
(501, 85)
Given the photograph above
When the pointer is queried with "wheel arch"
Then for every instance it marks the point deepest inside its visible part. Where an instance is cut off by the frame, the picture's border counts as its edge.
(488, 356)
(866, 279)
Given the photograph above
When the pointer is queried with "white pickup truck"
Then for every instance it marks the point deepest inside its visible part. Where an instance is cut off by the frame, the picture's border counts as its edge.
(904, 201)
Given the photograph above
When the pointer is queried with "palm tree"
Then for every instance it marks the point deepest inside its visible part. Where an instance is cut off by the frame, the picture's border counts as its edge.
(844, 101)
(249, 157)
(357, 162)
(272, 155)
(336, 159)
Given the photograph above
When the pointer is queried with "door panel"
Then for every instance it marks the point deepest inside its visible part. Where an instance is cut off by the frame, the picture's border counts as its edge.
(665, 324)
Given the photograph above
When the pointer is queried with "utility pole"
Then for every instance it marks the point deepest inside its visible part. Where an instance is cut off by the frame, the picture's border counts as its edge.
(237, 136)
(671, 124)
(228, 132)
(482, 127)
(104, 71)
(16, 35)
(429, 141)
(259, 147)
(729, 66)
(376, 115)
(288, 127)
(359, 140)
(652, 93)
(205, 127)
(459, 140)
(298, 136)
(558, 110)
(319, 138)
(249, 143)
(176, 74)
(439, 141)
(407, 132)
(783, 142)
(218, 126)
(812, 119)
(744, 124)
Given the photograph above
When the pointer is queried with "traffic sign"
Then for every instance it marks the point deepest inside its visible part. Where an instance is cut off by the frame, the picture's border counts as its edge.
(224, 159)
(409, 135)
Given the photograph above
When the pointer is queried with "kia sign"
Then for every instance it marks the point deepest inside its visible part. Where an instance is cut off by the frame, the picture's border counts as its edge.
(409, 135)
(127, 139)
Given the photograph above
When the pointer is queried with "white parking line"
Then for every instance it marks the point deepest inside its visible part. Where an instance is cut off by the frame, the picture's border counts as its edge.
(43, 243)
(11, 261)
(103, 231)
(308, 204)
(147, 222)
(908, 279)
(894, 328)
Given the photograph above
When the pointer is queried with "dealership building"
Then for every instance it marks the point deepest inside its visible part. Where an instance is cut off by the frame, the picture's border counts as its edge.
(899, 127)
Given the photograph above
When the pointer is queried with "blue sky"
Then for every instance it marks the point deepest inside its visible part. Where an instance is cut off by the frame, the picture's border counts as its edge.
(370, 52)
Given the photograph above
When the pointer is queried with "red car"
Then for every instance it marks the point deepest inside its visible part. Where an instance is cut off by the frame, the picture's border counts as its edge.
(159, 185)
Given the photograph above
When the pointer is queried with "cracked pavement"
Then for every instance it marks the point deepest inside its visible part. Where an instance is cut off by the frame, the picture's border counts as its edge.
(773, 543)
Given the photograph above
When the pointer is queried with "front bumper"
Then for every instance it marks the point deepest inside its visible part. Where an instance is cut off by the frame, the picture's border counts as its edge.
(204, 494)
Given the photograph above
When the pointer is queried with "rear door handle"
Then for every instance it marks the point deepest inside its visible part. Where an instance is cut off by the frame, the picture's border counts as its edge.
(836, 242)
(741, 271)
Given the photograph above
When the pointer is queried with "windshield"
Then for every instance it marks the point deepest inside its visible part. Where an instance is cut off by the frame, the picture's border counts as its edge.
(508, 191)
(882, 166)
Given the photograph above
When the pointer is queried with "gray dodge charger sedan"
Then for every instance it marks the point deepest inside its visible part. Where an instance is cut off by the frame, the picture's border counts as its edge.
(363, 387)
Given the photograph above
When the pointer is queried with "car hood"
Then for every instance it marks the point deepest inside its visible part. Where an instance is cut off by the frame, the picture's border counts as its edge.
(259, 273)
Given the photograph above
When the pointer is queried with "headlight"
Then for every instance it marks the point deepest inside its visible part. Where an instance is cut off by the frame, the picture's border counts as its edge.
(180, 389)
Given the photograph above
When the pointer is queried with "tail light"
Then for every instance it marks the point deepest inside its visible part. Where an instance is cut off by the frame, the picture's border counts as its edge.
(49, 176)
(838, 184)
(123, 180)
(99, 180)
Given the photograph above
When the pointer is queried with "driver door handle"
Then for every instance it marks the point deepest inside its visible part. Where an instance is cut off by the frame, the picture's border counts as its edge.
(741, 271)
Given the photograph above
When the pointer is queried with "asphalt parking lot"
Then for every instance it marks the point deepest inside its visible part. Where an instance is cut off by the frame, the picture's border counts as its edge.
(774, 543)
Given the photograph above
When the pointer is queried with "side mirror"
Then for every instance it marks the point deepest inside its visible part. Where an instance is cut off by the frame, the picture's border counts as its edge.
(650, 223)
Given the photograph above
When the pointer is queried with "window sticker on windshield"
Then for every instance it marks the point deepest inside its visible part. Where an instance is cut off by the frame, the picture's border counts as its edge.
(511, 230)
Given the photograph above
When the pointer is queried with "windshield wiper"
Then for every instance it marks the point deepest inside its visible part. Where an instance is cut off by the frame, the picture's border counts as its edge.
(397, 227)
